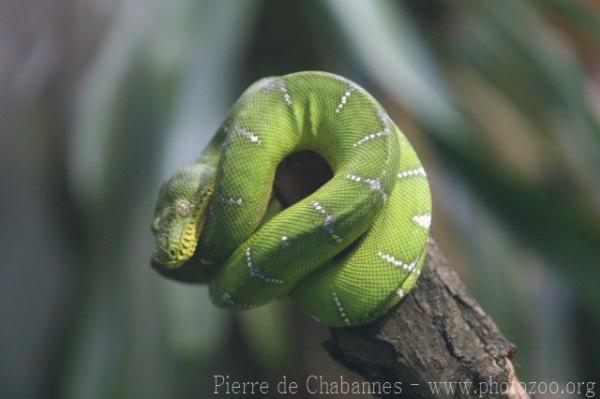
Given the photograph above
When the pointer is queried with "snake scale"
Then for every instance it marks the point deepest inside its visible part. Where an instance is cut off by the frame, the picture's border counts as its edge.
(345, 254)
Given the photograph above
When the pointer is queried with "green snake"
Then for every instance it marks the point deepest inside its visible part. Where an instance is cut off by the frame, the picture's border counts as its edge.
(345, 254)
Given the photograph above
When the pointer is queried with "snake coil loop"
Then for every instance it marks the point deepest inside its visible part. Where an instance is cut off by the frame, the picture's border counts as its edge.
(346, 253)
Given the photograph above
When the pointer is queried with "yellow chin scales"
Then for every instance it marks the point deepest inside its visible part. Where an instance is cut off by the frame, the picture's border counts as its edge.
(188, 242)
(186, 245)
(180, 250)
(177, 259)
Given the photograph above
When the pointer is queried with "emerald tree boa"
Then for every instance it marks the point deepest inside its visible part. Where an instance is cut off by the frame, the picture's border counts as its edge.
(345, 254)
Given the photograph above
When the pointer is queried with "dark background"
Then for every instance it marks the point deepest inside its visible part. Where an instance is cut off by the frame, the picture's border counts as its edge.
(103, 99)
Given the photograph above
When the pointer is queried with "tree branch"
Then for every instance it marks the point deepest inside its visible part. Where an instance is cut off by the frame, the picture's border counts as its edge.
(438, 333)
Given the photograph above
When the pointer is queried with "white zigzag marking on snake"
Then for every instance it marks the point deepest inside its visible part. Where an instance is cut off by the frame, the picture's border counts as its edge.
(255, 272)
(373, 183)
(371, 136)
(230, 200)
(340, 308)
(233, 131)
(329, 221)
(285, 241)
(344, 98)
(422, 220)
(385, 130)
(400, 292)
(412, 173)
(409, 267)
(279, 85)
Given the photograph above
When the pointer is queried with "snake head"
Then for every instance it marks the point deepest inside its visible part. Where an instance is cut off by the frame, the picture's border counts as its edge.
(179, 214)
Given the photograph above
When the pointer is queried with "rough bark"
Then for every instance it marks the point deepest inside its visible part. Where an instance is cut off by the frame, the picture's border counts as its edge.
(439, 333)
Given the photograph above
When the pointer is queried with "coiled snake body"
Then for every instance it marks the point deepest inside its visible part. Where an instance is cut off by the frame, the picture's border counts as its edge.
(346, 253)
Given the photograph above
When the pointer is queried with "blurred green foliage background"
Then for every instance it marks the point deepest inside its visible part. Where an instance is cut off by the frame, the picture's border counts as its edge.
(103, 99)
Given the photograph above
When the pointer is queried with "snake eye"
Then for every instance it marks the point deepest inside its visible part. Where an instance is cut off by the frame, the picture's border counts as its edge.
(183, 209)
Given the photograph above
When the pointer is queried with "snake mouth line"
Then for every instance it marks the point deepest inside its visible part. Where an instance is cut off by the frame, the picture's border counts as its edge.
(170, 259)
(166, 253)
(172, 250)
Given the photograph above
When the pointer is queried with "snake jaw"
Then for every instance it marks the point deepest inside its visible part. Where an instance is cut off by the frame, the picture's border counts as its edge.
(173, 249)
(179, 215)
